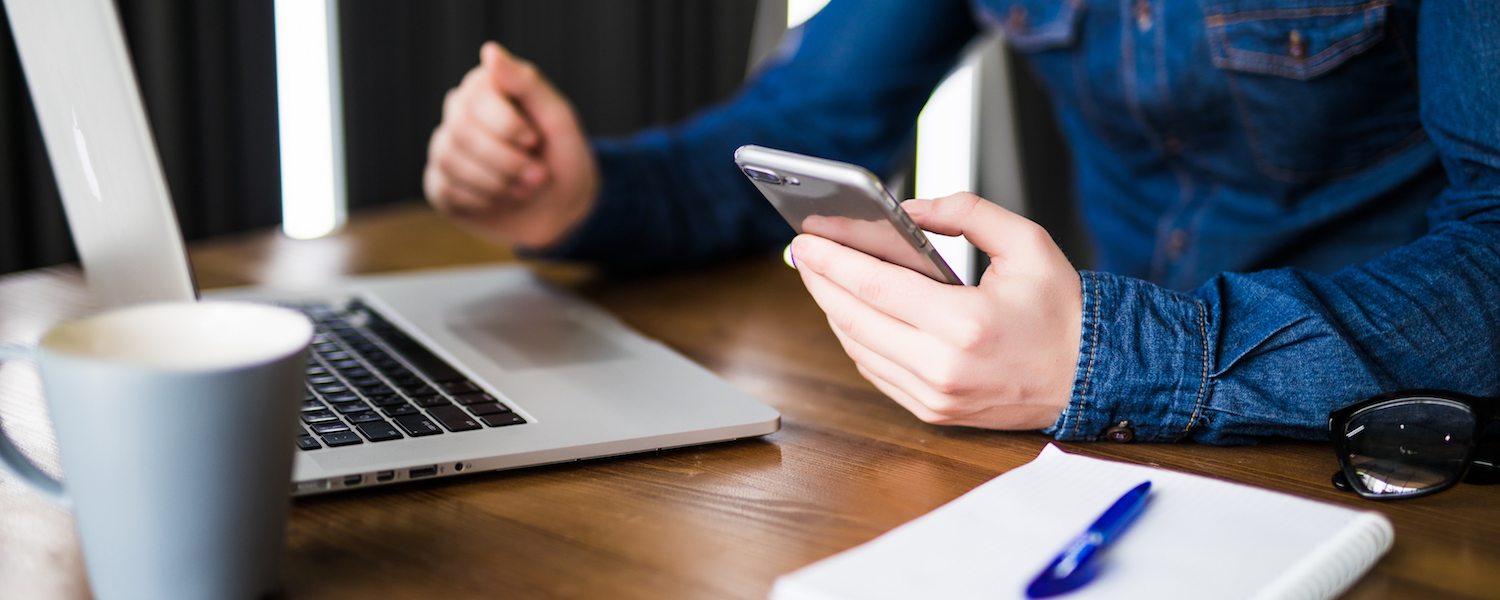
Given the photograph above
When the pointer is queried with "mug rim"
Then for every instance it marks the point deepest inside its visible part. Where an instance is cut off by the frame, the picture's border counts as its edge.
(55, 342)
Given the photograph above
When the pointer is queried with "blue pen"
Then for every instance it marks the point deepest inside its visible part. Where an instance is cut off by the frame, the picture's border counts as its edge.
(1078, 562)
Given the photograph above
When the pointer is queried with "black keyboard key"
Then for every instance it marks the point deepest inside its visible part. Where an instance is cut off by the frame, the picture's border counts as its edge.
(417, 425)
(401, 410)
(488, 408)
(346, 364)
(365, 348)
(357, 375)
(453, 418)
(477, 398)
(329, 427)
(330, 388)
(335, 355)
(341, 398)
(502, 419)
(317, 380)
(306, 442)
(390, 366)
(407, 380)
(378, 389)
(378, 431)
(308, 405)
(418, 390)
(462, 386)
(364, 381)
(351, 407)
(318, 416)
(363, 417)
(384, 400)
(430, 401)
(342, 438)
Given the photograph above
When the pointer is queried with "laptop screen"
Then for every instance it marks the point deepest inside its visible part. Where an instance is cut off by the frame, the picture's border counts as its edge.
(102, 153)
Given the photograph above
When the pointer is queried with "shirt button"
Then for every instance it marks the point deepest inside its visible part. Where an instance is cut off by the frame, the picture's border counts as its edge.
(1017, 18)
(1172, 144)
(1143, 15)
(1176, 243)
(1296, 45)
(1121, 432)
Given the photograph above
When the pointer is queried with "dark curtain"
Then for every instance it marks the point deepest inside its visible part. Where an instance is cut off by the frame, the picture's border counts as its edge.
(623, 64)
(207, 76)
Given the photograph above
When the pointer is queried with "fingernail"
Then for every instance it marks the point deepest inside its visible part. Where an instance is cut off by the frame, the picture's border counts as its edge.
(799, 247)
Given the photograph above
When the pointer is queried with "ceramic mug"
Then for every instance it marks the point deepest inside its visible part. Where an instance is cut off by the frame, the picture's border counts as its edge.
(175, 424)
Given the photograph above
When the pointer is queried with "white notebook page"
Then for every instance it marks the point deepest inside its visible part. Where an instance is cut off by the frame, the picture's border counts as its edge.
(1196, 538)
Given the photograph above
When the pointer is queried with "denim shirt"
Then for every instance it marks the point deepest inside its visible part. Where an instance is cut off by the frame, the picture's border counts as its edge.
(1295, 203)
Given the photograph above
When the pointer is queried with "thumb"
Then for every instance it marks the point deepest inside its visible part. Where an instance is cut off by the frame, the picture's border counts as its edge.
(520, 81)
(994, 230)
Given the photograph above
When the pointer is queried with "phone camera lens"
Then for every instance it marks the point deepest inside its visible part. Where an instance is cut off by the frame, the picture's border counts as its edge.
(760, 174)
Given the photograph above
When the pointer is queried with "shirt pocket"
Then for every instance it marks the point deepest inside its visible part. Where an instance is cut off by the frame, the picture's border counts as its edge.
(1324, 88)
(1034, 25)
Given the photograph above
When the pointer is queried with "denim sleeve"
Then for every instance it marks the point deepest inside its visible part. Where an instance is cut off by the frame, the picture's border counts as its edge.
(847, 85)
(1271, 353)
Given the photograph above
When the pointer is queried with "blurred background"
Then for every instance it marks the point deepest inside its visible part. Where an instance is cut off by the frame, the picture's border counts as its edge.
(209, 71)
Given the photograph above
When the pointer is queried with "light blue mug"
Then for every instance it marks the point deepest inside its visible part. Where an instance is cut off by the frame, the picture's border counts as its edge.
(175, 424)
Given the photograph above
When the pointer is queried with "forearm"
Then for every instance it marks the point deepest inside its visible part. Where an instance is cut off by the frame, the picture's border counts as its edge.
(850, 91)
(1271, 353)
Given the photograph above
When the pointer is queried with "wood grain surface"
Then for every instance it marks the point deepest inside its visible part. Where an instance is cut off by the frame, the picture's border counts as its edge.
(719, 521)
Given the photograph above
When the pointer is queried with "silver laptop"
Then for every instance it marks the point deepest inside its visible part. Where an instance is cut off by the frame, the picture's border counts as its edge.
(412, 376)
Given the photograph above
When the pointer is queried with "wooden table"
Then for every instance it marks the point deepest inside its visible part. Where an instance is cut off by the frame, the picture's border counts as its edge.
(710, 522)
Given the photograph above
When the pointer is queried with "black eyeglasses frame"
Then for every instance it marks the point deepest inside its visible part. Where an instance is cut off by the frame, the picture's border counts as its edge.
(1485, 411)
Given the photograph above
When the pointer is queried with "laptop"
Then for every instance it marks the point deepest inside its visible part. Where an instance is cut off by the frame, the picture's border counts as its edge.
(411, 376)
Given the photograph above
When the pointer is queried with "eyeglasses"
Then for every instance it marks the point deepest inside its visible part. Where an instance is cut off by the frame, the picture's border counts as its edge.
(1415, 442)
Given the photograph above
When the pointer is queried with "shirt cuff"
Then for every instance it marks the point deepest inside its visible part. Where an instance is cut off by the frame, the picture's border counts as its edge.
(1143, 360)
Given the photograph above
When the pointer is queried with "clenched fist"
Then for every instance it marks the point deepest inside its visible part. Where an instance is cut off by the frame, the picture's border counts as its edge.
(509, 161)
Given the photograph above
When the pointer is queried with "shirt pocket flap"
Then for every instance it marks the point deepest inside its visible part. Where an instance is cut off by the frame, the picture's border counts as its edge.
(1032, 25)
(1298, 40)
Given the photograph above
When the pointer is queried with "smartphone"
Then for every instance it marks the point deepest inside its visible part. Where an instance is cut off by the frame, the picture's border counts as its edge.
(844, 203)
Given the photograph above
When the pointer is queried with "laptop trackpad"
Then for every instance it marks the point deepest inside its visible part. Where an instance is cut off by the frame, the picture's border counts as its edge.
(529, 331)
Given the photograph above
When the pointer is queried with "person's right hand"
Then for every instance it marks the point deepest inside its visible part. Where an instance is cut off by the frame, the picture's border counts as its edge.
(510, 162)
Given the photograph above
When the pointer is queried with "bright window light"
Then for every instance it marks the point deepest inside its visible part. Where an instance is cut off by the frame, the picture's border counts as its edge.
(309, 108)
(946, 154)
(798, 11)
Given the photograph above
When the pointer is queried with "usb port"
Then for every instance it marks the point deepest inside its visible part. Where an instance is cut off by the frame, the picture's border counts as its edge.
(385, 476)
(353, 480)
(418, 472)
(313, 486)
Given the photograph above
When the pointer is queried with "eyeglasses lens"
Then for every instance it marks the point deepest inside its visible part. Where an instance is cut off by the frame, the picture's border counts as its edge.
(1407, 446)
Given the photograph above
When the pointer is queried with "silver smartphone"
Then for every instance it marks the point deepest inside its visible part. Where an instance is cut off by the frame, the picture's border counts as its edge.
(844, 203)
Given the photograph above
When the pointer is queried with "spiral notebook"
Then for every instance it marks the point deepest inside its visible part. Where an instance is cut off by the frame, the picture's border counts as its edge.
(1197, 538)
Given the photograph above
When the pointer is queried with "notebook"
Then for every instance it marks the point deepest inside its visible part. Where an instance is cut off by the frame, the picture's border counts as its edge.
(1197, 538)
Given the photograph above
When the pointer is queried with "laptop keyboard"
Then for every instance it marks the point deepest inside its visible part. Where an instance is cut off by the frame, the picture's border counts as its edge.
(367, 381)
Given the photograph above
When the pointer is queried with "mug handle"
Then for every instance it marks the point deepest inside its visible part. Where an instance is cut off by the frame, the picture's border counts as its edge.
(11, 458)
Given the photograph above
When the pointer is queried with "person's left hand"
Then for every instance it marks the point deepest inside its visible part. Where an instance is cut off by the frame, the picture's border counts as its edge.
(1000, 356)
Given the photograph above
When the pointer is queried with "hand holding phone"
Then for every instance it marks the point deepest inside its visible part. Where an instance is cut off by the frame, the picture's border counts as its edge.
(844, 203)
